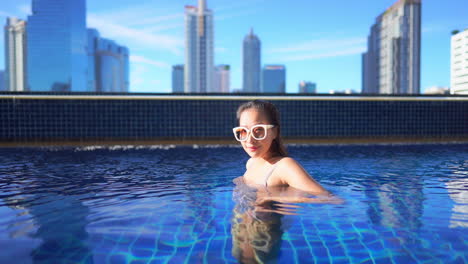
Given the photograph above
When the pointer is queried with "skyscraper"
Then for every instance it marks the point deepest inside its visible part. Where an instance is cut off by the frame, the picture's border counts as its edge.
(222, 82)
(178, 78)
(199, 49)
(56, 46)
(92, 39)
(2, 81)
(307, 87)
(274, 79)
(391, 64)
(107, 64)
(459, 63)
(15, 54)
(251, 63)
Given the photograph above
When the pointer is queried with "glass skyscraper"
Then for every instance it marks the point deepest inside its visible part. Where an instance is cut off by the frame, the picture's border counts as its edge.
(108, 64)
(251, 63)
(274, 79)
(56, 46)
(92, 39)
(15, 54)
(199, 49)
(222, 81)
(178, 78)
(392, 62)
(307, 87)
(2, 81)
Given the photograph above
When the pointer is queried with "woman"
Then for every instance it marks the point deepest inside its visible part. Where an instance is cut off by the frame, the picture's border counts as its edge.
(259, 132)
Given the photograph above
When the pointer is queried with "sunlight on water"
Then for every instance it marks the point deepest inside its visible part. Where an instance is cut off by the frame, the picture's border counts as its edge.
(402, 204)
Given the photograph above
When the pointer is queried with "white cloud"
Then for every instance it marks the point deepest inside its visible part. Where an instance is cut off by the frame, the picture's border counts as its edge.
(157, 20)
(221, 17)
(320, 44)
(238, 5)
(25, 9)
(128, 35)
(320, 48)
(163, 27)
(145, 60)
(3, 13)
(320, 55)
(143, 79)
(220, 50)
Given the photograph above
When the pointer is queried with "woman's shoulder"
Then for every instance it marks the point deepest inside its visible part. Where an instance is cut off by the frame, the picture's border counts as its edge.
(249, 163)
(287, 162)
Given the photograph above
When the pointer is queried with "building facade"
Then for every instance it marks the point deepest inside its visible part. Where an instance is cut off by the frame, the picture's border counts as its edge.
(2, 81)
(307, 87)
(222, 81)
(178, 78)
(392, 62)
(56, 46)
(92, 39)
(15, 55)
(274, 79)
(108, 64)
(199, 49)
(112, 67)
(459, 63)
(251, 63)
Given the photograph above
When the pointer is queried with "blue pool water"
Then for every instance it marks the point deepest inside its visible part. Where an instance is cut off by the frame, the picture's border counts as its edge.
(403, 204)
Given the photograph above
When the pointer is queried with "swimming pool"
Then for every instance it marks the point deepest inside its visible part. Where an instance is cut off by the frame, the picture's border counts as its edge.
(166, 204)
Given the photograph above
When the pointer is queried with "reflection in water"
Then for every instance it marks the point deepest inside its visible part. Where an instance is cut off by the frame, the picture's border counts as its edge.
(458, 191)
(395, 200)
(62, 228)
(256, 229)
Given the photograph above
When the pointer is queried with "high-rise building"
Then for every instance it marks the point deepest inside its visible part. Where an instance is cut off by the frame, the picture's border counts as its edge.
(56, 46)
(2, 81)
(199, 49)
(92, 39)
(307, 87)
(391, 64)
(108, 64)
(178, 78)
(459, 63)
(274, 79)
(251, 63)
(15, 54)
(222, 81)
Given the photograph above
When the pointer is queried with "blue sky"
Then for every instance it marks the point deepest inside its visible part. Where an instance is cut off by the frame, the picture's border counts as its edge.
(318, 41)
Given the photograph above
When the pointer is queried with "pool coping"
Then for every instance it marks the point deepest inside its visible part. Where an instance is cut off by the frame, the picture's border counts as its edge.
(231, 142)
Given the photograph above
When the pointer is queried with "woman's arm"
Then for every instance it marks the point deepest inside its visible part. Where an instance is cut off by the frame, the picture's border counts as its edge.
(295, 176)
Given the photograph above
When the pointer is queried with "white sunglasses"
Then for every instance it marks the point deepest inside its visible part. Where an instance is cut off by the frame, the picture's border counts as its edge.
(258, 132)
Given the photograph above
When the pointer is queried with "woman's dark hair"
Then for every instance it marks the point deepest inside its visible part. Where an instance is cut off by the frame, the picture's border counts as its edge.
(273, 117)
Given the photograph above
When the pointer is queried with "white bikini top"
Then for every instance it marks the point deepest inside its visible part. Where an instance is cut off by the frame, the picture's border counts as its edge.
(270, 173)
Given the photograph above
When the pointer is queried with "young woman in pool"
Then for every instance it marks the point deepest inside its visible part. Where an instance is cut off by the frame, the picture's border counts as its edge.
(259, 132)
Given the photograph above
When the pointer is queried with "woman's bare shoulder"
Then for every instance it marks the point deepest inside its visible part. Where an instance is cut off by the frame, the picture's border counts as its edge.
(288, 162)
(294, 175)
(248, 163)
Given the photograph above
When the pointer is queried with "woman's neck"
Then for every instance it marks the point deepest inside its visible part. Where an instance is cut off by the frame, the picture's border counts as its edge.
(268, 158)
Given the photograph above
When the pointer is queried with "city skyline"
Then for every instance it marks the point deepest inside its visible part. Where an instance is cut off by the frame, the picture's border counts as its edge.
(326, 41)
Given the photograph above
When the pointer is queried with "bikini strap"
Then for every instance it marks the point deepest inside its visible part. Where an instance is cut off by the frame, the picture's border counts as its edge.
(270, 173)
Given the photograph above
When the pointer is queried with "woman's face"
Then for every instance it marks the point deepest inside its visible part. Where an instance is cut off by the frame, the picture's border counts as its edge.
(256, 148)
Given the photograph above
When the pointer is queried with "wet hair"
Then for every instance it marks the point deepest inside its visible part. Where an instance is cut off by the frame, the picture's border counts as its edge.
(273, 116)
